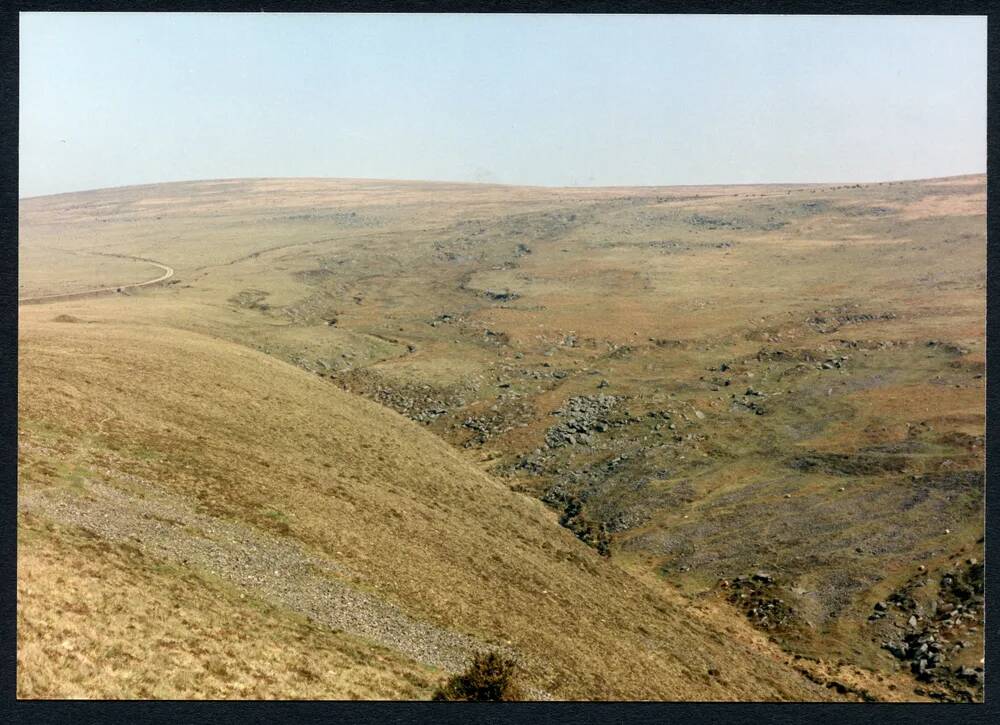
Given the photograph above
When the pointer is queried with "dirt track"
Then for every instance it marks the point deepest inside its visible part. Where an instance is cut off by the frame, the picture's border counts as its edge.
(168, 272)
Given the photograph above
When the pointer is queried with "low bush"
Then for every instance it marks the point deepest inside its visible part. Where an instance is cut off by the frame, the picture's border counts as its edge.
(488, 678)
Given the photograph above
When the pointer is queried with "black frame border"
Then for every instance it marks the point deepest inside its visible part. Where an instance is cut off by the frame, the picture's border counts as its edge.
(247, 713)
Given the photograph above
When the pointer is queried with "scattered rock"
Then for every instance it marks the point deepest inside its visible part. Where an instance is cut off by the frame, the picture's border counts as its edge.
(501, 295)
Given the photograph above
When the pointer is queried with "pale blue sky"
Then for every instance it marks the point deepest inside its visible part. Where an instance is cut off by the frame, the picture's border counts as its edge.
(117, 99)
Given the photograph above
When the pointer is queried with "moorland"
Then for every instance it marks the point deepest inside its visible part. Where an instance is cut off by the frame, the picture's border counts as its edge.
(325, 438)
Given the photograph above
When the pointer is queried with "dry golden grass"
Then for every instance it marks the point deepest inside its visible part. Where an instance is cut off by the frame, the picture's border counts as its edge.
(242, 434)
(102, 621)
(188, 386)
(57, 272)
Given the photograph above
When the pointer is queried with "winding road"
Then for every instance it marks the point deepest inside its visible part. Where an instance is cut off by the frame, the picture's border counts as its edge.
(168, 272)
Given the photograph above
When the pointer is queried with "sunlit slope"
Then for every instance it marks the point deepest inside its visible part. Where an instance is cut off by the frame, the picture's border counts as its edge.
(222, 229)
(143, 414)
(707, 382)
(101, 620)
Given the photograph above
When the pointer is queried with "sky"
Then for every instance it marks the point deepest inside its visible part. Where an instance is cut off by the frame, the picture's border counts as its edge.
(114, 99)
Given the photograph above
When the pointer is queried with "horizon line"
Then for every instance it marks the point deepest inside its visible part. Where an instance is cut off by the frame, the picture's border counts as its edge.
(554, 187)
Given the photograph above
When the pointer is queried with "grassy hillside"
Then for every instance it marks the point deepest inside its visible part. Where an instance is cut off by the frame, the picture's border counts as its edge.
(620, 402)
(104, 620)
(395, 513)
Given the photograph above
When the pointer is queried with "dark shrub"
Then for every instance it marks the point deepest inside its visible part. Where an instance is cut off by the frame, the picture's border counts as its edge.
(488, 678)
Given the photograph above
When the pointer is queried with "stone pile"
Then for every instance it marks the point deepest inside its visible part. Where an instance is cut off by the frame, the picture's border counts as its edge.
(581, 416)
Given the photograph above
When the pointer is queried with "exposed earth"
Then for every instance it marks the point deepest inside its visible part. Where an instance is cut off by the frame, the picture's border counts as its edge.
(731, 430)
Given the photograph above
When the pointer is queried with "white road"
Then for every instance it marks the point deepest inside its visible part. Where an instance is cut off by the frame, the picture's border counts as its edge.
(168, 272)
